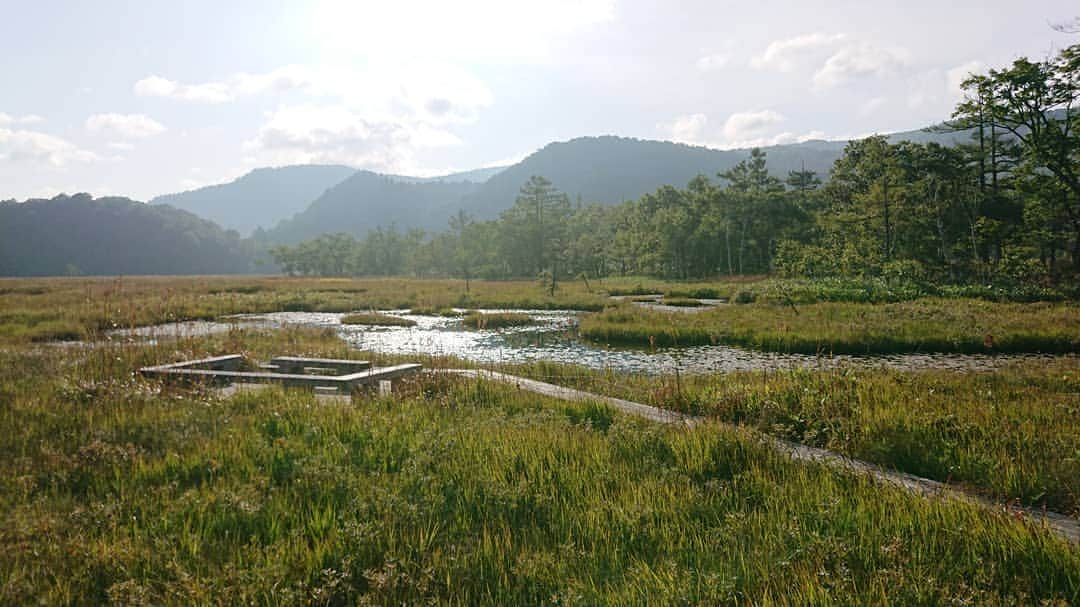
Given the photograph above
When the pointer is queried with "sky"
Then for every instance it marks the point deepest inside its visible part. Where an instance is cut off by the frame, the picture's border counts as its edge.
(142, 98)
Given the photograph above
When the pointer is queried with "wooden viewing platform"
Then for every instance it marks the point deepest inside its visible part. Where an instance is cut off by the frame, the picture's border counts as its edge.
(324, 374)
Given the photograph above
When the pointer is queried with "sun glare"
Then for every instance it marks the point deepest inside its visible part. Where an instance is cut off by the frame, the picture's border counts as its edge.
(479, 30)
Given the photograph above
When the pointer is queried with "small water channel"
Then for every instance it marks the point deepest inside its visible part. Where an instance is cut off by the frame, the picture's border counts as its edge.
(554, 339)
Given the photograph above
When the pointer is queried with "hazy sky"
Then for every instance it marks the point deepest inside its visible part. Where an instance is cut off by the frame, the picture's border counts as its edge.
(140, 98)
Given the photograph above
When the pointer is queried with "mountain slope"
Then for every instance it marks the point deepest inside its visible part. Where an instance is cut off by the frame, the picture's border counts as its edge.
(262, 197)
(606, 170)
(369, 200)
(78, 234)
(475, 176)
(610, 170)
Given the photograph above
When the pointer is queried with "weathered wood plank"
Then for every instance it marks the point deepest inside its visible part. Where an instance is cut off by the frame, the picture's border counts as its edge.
(351, 380)
(296, 364)
(373, 375)
(229, 362)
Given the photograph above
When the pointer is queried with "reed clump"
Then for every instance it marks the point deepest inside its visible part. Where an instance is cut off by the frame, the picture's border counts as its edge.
(497, 320)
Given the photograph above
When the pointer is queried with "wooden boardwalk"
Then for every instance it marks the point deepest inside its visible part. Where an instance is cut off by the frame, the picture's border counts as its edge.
(332, 374)
(1064, 526)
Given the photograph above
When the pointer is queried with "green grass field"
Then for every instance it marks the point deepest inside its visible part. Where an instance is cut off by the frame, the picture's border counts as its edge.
(48, 309)
(808, 318)
(1012, 434)
(117, 489)
(459, 492)
(923, 325)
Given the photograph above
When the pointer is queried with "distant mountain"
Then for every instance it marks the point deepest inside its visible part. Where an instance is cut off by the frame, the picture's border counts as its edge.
(610, 170)
(369, 200)
(606, 170)
(475, 176)
(262, 197)
(107, 236)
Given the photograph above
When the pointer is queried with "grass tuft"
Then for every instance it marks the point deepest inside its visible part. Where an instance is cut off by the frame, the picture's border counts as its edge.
(376, 319)
(497, 320)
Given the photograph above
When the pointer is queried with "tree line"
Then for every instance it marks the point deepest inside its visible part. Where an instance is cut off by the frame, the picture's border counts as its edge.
(1004, 206)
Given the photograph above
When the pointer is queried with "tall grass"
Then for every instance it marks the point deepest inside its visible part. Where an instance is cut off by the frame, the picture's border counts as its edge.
(497, 320)
(849, 290)
(925, 325)
(49, 309)
(114, 489)
(1013, 434)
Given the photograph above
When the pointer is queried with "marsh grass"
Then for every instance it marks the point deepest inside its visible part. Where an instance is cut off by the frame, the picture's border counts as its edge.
(925, 325)
(434, 311)
(682, 302)
(1011, 435)
(497, 320)
(376, 319)
(116, 489)
(47, 309)
(848, 290)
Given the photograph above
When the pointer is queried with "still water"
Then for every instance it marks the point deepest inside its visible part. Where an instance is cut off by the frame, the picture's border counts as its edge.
(553, 338)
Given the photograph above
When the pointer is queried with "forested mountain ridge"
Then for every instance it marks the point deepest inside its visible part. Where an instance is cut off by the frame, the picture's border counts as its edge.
(260, 198)
(107, 236)
(606, 170)
(1001, 208)
(610, 170)
(366, 201)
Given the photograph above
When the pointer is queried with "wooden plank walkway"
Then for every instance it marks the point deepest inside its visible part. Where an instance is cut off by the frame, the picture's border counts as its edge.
(1064, 526)
(297, 364)
(224, 370)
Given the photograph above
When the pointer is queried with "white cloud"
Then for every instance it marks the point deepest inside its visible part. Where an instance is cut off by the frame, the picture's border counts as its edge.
(741, 125)
(740, 130)
(935, 92)
(120, 146)
(124, 126)
(283, 79)
(788, 54)
(957, 75)
(155, 86)
(8, 119)
(712, 63)
(336, 134)
(432, 91)
(377, 117)
(31, 147)
(506, 160)
(689, 129)
(787, 137)
(871, 106)
(836, 59)
(856, 61)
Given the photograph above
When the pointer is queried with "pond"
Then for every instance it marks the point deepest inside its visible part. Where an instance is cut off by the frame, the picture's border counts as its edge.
(553, 338)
